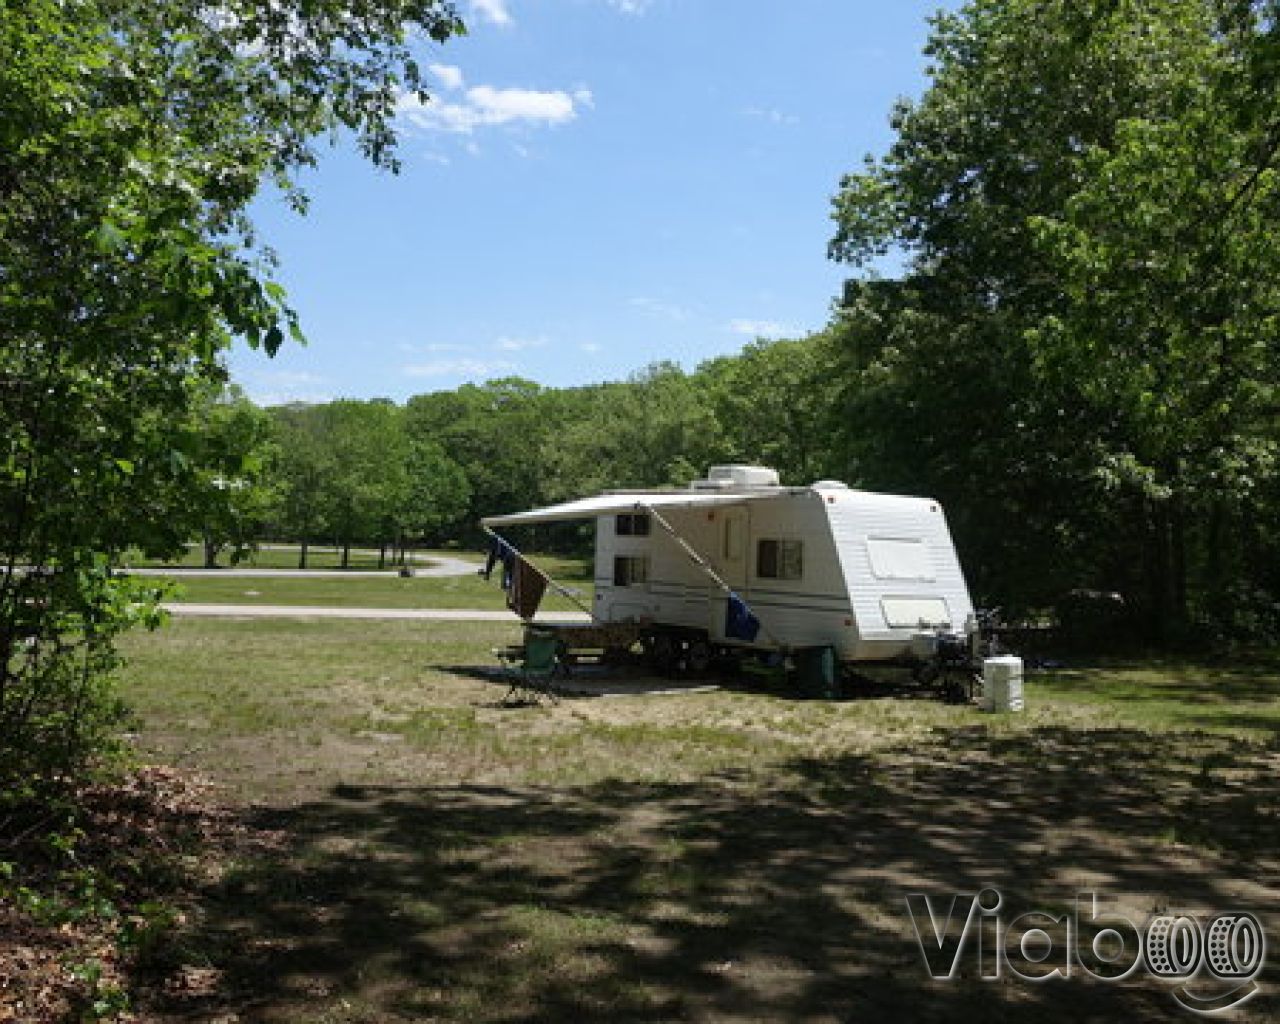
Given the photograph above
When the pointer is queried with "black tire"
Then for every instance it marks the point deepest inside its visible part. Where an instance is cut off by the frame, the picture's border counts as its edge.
(664, 653)
(699, 657)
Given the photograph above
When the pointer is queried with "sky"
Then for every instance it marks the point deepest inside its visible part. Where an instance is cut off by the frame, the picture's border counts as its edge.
(595, 186)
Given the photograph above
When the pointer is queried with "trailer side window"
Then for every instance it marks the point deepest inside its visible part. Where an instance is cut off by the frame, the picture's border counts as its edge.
(900, 558)
(780, 559)
(630, 571)
(632, 525)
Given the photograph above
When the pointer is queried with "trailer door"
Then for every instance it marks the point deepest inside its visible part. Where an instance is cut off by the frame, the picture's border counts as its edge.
(733, 547)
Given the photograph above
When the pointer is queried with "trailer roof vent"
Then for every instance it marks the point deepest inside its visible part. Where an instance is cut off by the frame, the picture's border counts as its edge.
(734, 477)
(830, 485)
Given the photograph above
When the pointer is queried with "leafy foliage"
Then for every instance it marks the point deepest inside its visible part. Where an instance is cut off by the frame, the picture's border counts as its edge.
(133, 136)
(493, 432)
(654, 429)
(232, 447)
(774, 403)
(356, 471)
(1080, 356)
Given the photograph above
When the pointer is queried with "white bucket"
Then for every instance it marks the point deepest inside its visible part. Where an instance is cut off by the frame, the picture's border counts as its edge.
(1002, 684)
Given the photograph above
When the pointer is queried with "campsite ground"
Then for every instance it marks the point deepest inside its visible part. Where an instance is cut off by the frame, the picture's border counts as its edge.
(414, 850)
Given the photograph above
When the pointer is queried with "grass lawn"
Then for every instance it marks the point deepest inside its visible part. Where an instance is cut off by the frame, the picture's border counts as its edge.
(380, 591)
(422, 852)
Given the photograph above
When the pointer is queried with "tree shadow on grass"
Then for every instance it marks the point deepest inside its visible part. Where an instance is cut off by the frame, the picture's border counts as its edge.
(1207, 683)
(737, 898)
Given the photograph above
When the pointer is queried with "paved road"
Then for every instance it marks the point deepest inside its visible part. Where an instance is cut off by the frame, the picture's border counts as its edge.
(282, 611)
(442, 565)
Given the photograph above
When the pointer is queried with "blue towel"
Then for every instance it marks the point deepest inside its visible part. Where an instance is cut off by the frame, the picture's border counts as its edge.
(500, 551)
(739, 623)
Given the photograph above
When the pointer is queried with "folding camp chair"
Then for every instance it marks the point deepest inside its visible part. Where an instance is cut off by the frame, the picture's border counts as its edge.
(532, 667)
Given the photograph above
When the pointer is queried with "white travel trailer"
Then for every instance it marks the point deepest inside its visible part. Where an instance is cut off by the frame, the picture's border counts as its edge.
(739, 562)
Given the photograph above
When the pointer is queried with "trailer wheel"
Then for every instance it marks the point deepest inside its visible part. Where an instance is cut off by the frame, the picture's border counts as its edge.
(925, 674)
(664, 653)
(727, 663)
(958, 687)
(698, 657)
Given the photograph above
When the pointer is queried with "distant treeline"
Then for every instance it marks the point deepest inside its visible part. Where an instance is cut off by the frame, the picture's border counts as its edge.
(372, 472)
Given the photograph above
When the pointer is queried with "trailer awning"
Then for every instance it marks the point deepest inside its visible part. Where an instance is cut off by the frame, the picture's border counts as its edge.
(612, 504)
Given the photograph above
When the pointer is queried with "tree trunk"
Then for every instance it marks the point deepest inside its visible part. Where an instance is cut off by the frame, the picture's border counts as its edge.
(346, 554)
(1178, 610)
(1156, 566)
(1167, 573)
(302, 554)
(210, 553)
(382, 555)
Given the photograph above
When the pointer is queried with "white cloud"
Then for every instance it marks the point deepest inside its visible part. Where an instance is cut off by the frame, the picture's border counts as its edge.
(282, 387)
(630, 6)
(493, 11)
(290, 378)
(499, 106)
(433, 347)
(590, 346)
(458, 368)
(760, 328)
(449, 76)
(267, 399)
(486, 105)
(506, 344)
(771, 114)
(658, 308)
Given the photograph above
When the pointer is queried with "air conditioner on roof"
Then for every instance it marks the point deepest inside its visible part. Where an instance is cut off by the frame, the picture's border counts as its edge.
(733, 477)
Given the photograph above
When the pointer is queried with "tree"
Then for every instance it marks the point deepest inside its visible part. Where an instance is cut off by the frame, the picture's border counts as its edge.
(1074, 358)
(1169, 256)
(656, 428)
(133, 137)
(367, 464)
(494, 431)
(435, 495)
(233, 447)
(300, 473)
(773, 402)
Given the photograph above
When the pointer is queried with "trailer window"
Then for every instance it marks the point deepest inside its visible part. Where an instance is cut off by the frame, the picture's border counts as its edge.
(899, 558)
(632, 525)
(915, 612)
(780, 559)
(630, 571)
